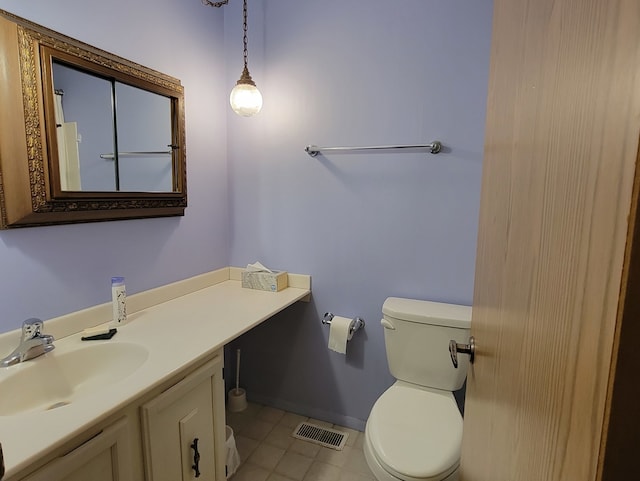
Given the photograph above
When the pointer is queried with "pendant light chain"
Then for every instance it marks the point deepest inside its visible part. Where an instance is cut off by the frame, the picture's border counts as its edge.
(245, 41)
(244, 38)
(245, 77)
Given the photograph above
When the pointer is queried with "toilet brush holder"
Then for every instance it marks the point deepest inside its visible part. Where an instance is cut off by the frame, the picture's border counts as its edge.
(237, 400)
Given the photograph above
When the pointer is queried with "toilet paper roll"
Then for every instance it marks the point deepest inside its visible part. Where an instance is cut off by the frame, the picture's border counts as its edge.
(339, 334)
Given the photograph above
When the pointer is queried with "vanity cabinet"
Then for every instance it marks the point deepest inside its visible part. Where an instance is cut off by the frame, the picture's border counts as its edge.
(176, 393)
(178, 429)
(103, 457)
(151, 438)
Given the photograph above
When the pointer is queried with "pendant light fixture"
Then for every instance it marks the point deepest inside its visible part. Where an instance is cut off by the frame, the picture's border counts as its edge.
(245, 98)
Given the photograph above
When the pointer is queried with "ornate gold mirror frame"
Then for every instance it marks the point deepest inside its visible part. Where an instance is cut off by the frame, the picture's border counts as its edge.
(30, 192)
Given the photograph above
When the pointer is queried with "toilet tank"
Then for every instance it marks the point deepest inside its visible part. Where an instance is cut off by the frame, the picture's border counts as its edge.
(417, 335)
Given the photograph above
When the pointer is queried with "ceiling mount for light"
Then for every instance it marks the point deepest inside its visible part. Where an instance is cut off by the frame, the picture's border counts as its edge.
(245, 98)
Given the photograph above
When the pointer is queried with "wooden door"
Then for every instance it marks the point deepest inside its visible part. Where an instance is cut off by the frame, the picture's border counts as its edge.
(563, 123)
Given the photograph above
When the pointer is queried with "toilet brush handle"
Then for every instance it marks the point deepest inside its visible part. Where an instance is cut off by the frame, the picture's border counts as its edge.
(237, 370)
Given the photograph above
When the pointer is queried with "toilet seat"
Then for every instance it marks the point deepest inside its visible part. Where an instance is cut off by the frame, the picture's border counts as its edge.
(415, 433)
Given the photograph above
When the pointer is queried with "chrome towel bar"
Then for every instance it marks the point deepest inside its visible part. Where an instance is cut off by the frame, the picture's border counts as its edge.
(433, 147)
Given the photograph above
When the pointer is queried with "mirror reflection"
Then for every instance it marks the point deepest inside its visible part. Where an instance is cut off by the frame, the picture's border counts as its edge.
(111, 136)
(86, 135)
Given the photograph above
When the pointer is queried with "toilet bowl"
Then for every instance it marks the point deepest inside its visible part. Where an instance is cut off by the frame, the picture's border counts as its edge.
(414, 434)
(414, 430)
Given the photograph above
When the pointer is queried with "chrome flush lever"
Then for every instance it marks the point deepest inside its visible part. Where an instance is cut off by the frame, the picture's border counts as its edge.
(455, 348)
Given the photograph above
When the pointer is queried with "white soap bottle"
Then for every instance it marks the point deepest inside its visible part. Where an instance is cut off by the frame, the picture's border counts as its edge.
(118, 300)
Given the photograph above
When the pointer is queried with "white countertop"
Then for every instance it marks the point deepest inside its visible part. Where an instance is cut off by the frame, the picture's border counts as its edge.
(175, 333)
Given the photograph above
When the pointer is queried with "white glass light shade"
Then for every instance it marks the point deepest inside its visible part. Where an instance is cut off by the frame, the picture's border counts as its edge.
(245, 99)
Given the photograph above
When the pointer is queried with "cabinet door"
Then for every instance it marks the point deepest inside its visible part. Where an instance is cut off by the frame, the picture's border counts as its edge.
(104, 457)
(178, 429)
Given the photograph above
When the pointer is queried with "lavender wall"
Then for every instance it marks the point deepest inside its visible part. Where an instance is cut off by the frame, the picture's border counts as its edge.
(50, 271)
(365, 226)
(336, 72)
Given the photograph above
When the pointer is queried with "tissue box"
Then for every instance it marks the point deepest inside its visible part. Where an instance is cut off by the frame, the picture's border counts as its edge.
(265, 281)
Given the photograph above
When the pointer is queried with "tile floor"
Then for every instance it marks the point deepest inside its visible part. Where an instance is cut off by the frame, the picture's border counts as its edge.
(270, 453)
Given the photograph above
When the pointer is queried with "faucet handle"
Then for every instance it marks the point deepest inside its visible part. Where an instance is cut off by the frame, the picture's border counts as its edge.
(31, 328)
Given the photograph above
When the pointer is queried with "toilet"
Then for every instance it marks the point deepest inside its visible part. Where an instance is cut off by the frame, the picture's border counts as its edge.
(414, 430)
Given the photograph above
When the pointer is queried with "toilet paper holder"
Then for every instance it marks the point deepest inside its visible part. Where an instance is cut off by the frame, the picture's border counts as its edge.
(356, 323)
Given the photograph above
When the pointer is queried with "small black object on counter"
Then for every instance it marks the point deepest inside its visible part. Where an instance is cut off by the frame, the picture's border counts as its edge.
(98, 337)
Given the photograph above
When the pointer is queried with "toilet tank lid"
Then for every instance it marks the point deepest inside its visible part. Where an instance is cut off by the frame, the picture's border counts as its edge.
(428, 312)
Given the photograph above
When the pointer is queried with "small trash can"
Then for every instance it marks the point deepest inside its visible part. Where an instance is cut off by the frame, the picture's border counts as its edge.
(233, 457)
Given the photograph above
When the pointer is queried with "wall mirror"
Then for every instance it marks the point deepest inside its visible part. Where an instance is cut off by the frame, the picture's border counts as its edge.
(85, 135)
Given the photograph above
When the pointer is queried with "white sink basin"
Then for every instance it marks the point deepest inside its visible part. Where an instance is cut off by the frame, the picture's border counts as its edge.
(62, 377)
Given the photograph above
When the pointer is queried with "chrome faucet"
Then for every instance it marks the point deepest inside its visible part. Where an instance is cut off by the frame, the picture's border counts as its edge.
(32, 343)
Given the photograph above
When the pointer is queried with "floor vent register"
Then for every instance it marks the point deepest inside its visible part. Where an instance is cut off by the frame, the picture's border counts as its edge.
(327, 437)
